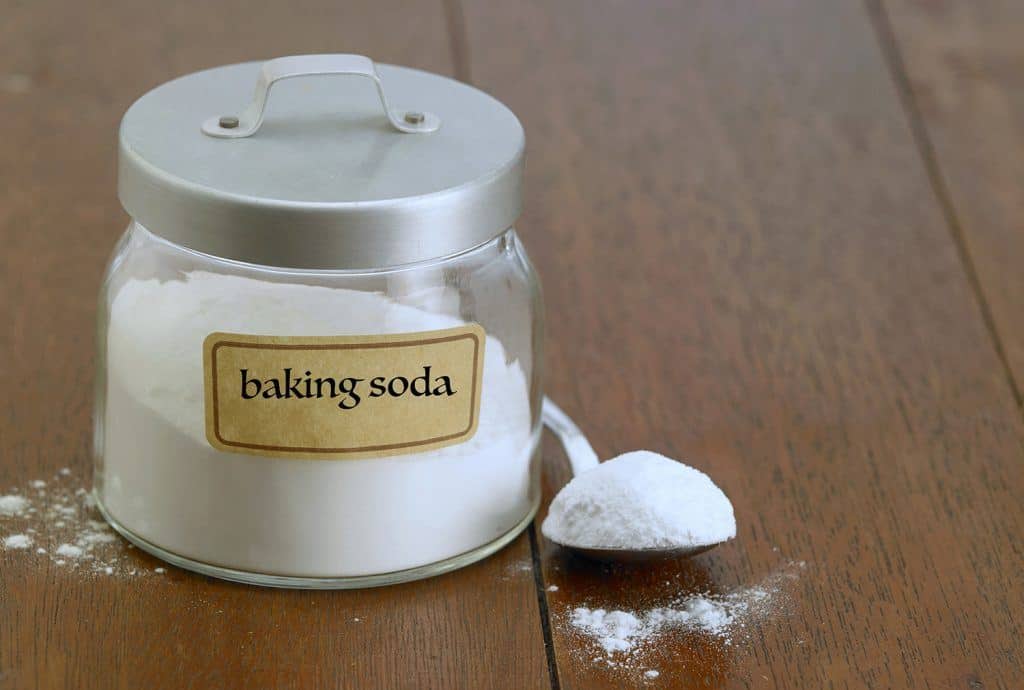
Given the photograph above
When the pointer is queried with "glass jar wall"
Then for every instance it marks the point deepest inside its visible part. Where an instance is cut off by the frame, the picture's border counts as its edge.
(295, 521)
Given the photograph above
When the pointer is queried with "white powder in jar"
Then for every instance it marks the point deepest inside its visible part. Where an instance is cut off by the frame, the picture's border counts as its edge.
(313, 518)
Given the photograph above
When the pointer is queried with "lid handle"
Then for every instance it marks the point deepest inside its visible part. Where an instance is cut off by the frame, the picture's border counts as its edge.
(249, 120)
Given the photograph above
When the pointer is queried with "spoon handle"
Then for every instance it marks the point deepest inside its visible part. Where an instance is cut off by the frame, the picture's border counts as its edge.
(581, 454)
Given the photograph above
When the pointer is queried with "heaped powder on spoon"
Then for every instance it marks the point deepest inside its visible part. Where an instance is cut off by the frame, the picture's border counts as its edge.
(640, 500)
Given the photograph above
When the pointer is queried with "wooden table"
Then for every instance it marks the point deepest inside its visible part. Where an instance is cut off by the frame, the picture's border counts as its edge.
(780, 239)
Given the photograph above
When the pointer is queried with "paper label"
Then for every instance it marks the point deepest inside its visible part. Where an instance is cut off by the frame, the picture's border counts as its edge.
(342, 397)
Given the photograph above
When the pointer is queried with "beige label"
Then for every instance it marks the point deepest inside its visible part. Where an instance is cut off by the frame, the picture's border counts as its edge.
(342, 397)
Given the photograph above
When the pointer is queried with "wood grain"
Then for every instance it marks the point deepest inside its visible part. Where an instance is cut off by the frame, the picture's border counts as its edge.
(746, 267)
(69, 72)
(964, 65)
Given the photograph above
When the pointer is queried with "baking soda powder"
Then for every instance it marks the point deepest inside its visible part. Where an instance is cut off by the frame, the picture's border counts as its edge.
(640, 500)
(163, 481)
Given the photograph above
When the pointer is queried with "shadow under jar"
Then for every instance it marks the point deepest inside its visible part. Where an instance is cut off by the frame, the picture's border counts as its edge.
(320, 339)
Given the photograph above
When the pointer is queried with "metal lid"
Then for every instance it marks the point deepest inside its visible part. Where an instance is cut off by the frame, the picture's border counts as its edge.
(332, 177)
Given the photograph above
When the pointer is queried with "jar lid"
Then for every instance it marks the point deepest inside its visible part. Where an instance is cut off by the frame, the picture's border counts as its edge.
(327, 173)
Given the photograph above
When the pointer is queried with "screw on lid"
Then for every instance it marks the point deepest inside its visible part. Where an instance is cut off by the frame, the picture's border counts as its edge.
(324, 174)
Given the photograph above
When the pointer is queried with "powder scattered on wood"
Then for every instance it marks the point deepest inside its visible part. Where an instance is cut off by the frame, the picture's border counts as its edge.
(517, 569)
(59, 517)
(17, 541)
(624, 637)
(13, 504)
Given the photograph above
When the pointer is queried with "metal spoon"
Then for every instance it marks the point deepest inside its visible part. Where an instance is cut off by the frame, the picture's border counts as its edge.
(583, 458)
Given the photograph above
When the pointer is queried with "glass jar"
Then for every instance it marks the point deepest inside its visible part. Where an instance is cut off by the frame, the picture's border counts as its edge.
(320, 340)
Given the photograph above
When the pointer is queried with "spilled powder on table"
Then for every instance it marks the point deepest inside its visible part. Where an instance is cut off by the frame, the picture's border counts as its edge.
(57, 519)
(13, 505)
(17, 541)
(621, 639)
(517, 568)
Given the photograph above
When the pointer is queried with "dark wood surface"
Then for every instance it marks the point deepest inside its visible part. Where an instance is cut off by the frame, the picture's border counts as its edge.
(752, 261)
(964, 69)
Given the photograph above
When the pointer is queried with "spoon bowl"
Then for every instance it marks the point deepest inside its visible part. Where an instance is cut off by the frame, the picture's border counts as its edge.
(582, 458)
(639, 555)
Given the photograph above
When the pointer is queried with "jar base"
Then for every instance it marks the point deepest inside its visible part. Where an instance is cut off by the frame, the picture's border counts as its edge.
(294, 582)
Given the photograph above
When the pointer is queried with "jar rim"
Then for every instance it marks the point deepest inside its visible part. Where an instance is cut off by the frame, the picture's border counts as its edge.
(288, 270)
